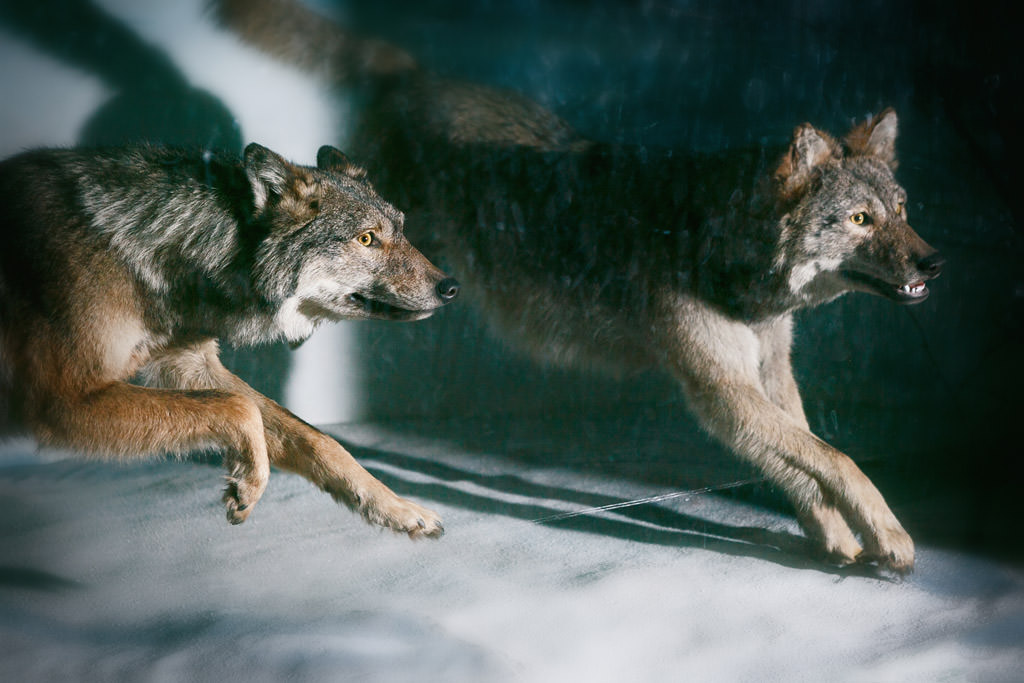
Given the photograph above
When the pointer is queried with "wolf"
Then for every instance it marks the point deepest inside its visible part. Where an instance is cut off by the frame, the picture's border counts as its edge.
(615, 257)
(131, 263)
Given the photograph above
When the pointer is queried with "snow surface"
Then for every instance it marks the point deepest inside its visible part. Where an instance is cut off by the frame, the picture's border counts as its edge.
(130, 572)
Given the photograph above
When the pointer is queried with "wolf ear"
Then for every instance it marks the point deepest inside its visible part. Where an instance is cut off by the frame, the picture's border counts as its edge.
(809, 149)
(875, 138)
(267, 171)
(332, 159)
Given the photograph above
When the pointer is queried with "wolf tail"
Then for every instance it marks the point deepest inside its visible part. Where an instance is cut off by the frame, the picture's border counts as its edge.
(296, 34)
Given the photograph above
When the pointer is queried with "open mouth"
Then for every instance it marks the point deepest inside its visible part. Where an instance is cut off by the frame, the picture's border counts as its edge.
(379, 309)
(918, 290)
(912, 293)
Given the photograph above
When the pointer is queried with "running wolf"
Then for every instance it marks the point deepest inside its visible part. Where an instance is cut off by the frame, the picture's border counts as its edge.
(131, 262)
(626, 257)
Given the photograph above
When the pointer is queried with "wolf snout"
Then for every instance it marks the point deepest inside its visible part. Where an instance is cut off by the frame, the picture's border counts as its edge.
(931, 265)
(447, 289)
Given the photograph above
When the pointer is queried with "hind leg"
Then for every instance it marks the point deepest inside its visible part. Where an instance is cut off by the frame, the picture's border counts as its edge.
(298, 447)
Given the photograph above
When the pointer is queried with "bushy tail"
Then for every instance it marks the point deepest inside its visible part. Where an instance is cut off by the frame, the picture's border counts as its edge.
(294, 33)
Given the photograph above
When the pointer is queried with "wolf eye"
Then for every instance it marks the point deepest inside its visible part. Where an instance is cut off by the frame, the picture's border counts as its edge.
(899, 207)
(859, 218)
(366, 239)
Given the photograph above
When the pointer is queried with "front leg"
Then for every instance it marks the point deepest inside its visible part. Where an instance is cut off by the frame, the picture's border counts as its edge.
(118, 419)
(298, 447)
(821, 520)
(775, 338)
(718, 363)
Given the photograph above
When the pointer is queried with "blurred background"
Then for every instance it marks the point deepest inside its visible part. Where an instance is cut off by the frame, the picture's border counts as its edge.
(926, 398)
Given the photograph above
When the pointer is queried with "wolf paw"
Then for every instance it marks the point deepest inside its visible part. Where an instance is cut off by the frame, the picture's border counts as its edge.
(890, 548)
(404, 516)
(842, 554)
(826, 525)
(240, 495)
(381, 506)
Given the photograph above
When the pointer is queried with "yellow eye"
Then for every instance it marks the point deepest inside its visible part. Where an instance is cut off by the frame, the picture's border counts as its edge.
(899, 208)
(366, 239)
(858, 218)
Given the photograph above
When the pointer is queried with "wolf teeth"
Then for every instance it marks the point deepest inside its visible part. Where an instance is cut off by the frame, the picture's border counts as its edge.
(912, 289)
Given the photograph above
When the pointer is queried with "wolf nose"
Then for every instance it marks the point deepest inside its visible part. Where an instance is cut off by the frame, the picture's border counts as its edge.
(931, 265)
(448, 289)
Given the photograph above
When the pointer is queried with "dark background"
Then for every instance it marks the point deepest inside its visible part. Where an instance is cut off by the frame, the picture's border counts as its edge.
(924, 398)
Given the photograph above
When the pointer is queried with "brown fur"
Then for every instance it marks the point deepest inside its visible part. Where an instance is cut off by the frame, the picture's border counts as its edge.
(133, 262)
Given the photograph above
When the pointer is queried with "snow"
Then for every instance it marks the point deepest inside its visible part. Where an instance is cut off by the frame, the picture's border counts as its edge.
(130, 572)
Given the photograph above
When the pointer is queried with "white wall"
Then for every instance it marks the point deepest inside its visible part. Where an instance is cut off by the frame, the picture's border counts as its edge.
(45, 102)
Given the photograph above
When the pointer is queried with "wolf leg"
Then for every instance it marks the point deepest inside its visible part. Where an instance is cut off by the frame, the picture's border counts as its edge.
(122, 420)
(717, 361)
(819, 517)
(298, 447)
(805, 467)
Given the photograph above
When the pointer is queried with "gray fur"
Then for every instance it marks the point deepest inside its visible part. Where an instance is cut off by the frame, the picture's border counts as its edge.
(242, 232)
(612, 256)
(135, 261)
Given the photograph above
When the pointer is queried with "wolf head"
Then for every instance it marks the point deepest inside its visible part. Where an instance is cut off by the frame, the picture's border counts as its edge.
(333, 248)
(844, 225)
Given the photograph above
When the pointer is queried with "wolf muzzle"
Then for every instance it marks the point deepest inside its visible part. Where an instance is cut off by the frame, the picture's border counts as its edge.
(928, 267)
(931, 265)
(447, 289)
